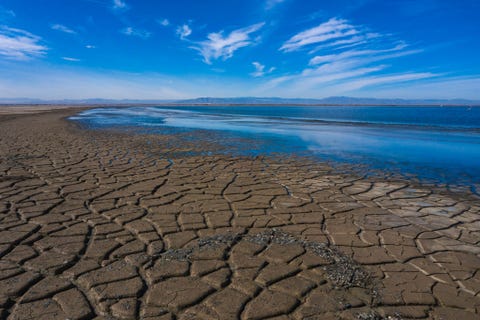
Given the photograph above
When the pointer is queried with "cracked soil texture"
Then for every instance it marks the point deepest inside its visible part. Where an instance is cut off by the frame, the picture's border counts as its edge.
(108, 225)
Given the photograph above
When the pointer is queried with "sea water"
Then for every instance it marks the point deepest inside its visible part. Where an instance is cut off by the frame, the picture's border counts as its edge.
(435, 144)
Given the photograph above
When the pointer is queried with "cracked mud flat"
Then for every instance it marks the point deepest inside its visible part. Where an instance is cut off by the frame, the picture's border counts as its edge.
(104, 225)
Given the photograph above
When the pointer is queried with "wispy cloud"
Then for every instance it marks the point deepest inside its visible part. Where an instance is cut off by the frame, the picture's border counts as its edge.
(164, 22)
(270, 4)
(90, 46)
(333, 29)
(260, 70)
(6, 14)
(119, 5)
(219, 46)
(440, 88)
(184, 31)
(350, 59)
(385, 79)
(62, 28)
(134, 32)
(18, 44)
(368, 55)
(71, 59)
(349, 42)
(346, 75)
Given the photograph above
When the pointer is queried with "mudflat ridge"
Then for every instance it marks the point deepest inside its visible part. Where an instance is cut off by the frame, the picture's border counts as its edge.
(107, 225)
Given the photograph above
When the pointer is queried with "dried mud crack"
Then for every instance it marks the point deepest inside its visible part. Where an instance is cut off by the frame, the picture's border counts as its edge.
(108, 225)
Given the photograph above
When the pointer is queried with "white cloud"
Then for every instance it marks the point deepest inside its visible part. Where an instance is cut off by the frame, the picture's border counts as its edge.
(341, 69)
(385, 79)
(64, 81)
(130, 31)
(359, 82)
(270, 4)
(260, 70)
(62, 28)
(438, 88)
(331, 30)
(346, 74)
(90, 46)
(184, 31)
(321, 77)
(119, 5)
(71, 59)
(164, 22)
(18, 44)
(6, 14)
(347, 43)
(372, 54)
(219, 46)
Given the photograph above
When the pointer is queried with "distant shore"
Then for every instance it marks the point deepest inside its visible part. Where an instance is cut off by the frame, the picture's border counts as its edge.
(34, 108)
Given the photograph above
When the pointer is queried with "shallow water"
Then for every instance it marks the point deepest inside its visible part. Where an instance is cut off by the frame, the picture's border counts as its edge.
(438, 144)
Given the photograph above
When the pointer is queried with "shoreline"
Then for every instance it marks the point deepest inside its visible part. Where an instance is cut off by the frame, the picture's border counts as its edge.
(217, 235)
(163, 104)
(445, 172)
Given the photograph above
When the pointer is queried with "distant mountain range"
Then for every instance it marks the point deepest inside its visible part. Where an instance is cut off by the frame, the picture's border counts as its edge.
(327, 101)
(251, 101)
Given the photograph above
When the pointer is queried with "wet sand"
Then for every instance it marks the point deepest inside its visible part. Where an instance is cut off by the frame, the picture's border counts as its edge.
(30, 109)
(107, 225)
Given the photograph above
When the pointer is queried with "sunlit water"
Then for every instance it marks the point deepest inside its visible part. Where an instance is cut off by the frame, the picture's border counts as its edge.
(438, 144)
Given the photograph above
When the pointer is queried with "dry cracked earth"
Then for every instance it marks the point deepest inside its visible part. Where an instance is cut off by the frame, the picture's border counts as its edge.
(105, 225)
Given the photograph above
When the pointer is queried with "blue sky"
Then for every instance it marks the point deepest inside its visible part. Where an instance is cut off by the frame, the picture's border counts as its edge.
(54, 49)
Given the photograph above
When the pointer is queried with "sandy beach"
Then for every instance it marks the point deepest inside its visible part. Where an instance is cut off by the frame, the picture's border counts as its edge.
(111, 225)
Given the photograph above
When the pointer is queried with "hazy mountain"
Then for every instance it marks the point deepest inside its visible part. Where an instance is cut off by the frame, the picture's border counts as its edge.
(327, 101)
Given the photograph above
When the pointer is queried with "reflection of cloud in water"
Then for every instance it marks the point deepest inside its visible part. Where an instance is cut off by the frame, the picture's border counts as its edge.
(424, 152)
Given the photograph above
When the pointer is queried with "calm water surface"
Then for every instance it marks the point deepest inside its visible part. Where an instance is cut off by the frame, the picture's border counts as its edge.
(438, 144)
